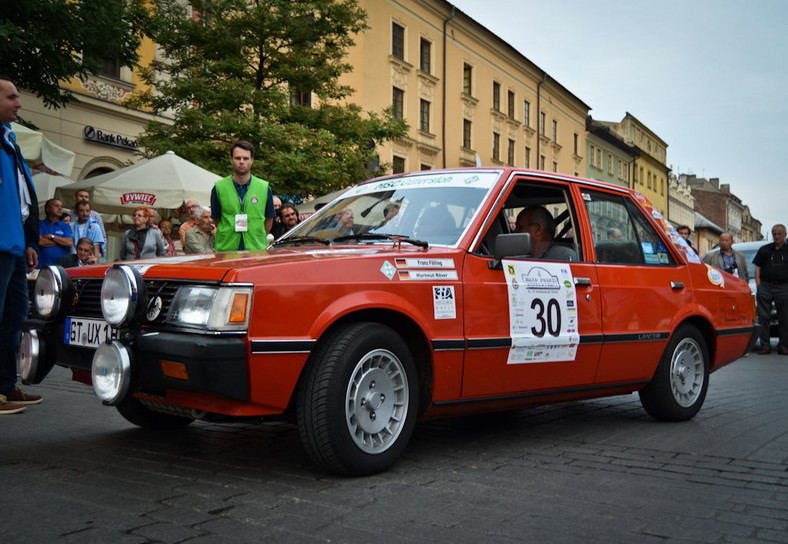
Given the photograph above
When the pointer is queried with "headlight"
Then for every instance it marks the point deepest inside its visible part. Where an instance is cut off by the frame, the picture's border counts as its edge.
(111, 372)
(122, 295)
(211, 308)
(52, 285)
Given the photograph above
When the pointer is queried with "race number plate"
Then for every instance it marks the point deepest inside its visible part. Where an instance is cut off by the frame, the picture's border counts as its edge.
(91, 333)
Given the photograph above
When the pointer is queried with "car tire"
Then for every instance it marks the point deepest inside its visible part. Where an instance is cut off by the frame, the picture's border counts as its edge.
(357, 403)
(678, 388)
(135, 412)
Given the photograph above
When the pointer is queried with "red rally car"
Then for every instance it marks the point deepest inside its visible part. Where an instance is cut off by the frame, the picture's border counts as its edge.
(408, 297)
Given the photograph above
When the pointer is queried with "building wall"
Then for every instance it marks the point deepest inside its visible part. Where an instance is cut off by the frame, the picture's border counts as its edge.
(681, 204)
(377, 71)
(606, 162)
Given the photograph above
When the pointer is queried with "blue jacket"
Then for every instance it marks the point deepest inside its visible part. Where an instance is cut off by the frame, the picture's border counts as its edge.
(16, 235)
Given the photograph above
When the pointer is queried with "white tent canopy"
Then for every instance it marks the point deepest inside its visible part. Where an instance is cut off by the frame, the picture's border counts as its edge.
(47, 184)
(164, 182)
(39, 149)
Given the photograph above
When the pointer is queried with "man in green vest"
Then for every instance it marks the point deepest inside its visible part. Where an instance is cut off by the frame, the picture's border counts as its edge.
(242, 205)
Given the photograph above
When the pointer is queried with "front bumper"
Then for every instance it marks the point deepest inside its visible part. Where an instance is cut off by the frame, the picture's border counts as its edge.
(213, 365)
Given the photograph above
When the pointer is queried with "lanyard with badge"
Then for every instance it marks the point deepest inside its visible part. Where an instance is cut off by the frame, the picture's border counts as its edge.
(241, 219)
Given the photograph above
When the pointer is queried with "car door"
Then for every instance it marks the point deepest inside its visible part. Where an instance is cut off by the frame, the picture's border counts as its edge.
(531, 325)
(643, 285)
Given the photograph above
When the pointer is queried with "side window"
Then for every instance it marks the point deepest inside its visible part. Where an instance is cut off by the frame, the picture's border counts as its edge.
(546, 213)
(621, 234)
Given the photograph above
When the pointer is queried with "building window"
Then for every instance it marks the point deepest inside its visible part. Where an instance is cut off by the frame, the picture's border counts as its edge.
(301, 98)
(555, 131)
(555, 166)
(425, 56)
(542, 121)
(426, 166)
(526, 113)
(592, 159)
(648, 177)
(496, 150)
(466, 134)
(398, 165)
(424, 116)
(467, 79)
(510, 153)
(541, 162)
(574, 143)
(527, 157)
(599, 158)
(397, 41)
(496, 96)
(398, 102)
(620, 169)
(609, 164)
(510, 105)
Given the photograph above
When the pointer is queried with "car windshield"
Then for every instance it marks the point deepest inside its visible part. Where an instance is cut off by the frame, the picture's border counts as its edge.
(435, 208)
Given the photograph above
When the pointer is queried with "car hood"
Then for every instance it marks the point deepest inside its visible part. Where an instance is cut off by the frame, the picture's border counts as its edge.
(237, 266)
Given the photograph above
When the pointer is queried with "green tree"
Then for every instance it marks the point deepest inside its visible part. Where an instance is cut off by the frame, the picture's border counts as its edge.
(45, 42)
(235, 69)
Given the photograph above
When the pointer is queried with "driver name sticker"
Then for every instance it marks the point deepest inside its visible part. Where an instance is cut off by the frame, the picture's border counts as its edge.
(424, 263)
(542, 312)
(444, 302)
(427, 275)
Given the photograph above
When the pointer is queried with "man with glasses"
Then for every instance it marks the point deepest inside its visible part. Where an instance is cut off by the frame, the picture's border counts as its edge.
(771, 278)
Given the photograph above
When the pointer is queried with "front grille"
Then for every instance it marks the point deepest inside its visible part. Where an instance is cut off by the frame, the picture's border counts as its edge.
(88, 297)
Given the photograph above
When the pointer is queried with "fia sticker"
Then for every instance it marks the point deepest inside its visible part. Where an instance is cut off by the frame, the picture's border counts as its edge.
(444, 302)
(388, 269)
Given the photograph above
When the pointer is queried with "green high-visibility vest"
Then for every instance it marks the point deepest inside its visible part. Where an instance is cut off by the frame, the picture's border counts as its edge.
(253, 206)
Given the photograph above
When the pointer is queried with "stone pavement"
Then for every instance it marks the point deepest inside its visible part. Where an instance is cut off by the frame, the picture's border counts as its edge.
(74, 471)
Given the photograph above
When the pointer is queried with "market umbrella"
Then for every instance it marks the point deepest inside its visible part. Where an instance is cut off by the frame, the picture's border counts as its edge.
(164, 182)
(47, 184)
(41, 151)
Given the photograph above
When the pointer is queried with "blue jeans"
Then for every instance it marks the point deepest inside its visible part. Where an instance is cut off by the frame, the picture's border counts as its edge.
(13, 310)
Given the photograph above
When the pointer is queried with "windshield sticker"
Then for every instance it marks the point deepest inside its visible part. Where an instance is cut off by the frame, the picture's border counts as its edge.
(542, 312)
(388, 270)
(427, 275)
(444, 302)
(483, 180)
(424, 263)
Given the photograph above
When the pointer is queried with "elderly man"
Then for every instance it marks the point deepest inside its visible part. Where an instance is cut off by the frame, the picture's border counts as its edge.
(18, 247)
(86, 227)
(193, 210)
(55, 238)
(771, 277)
(539, 222)
(727, 258)
(85, 255)
(201, 239)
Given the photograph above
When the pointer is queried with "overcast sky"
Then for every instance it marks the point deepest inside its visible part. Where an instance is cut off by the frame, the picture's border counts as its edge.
(709, 77)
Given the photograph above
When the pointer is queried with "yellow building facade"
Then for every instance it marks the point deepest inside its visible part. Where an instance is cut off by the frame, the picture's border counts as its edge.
(469, 98)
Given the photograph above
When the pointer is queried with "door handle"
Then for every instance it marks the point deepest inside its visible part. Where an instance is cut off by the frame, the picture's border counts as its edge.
(582, 281)
(677, 285)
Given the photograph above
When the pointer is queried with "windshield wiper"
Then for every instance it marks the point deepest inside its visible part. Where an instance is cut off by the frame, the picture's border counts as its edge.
(302, 240)
(376, 236)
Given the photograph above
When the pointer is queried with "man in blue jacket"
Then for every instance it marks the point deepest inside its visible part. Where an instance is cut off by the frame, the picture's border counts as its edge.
(18, 249)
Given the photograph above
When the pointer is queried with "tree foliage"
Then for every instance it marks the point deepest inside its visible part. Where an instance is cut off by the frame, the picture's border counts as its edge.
(227, 74)
(45, 42)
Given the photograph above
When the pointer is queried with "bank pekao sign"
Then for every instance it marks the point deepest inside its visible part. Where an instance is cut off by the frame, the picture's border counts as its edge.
(105, 138)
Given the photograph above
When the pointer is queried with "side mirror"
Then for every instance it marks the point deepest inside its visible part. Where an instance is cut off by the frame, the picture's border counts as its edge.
(510, 245)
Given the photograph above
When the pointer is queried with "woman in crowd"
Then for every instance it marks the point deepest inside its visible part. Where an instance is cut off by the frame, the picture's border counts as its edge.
(141, 241)
(165, 226)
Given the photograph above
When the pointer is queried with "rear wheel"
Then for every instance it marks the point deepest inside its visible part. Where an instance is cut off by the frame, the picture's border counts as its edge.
(357, 403)
(135, 412)
(679, 385)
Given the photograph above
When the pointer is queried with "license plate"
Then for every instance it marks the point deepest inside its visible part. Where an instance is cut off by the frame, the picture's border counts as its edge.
(91, 333)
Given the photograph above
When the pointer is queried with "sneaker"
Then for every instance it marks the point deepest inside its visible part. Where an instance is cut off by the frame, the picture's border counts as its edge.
(9, 407)
(18, 396)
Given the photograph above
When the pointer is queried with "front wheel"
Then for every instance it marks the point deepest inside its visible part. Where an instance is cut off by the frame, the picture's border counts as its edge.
(357, 403)
(678, 388)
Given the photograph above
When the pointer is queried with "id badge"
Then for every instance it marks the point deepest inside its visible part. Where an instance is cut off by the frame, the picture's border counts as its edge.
(240, 222)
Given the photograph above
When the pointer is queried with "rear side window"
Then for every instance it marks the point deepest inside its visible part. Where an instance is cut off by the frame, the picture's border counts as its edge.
(622, 235)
